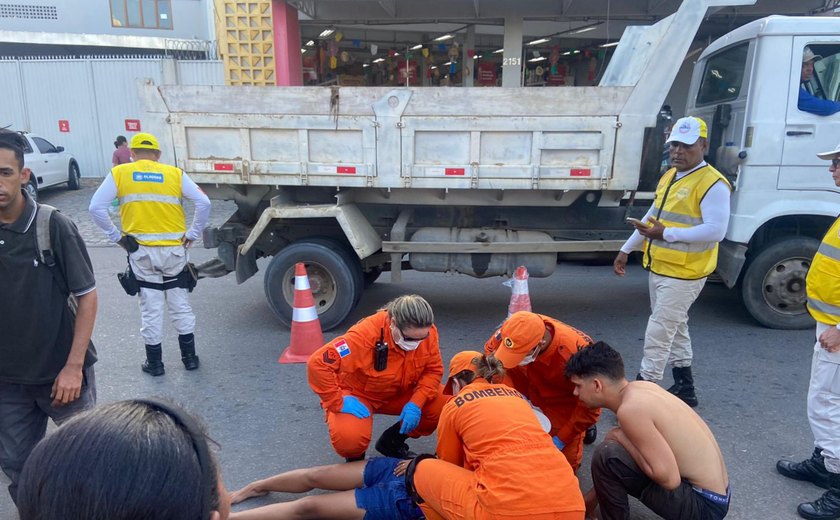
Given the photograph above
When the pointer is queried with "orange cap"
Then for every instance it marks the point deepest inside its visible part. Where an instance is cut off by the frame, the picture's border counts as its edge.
(520, 334)
(460, 362)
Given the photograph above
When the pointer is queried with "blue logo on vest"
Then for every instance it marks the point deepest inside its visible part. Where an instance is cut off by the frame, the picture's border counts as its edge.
(147, 177)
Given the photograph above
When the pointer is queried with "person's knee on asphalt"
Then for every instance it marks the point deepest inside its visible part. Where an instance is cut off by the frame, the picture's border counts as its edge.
(388, 363)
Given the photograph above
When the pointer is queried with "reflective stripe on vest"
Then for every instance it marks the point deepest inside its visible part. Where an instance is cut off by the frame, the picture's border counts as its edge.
(168, 199)
(822, 285)
(677, 204)
(150, 202)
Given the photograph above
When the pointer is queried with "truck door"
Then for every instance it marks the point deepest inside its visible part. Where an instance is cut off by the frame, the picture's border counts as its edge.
(808, 133)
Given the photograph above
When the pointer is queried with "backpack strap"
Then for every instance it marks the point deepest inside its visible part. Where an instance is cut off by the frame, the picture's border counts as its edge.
(42, 234)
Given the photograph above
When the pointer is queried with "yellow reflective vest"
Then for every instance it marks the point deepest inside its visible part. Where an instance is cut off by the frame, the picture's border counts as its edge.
(822, 285)
(677, 204)
(150, 202)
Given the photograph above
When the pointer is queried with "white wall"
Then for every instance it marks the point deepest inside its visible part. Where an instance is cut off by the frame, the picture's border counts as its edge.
(189, 19)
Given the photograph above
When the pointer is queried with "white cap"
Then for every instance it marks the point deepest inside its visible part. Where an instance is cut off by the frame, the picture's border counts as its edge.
(833, 154)
(688, 130)
(808, 55)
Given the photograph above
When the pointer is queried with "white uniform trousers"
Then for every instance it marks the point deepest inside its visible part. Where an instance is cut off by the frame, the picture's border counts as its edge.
(151, 264)
(824, 402)
(666, 337)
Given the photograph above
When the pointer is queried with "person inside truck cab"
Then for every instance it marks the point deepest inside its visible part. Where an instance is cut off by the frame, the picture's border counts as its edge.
(808, 102)
(388, 363)
(679, 235)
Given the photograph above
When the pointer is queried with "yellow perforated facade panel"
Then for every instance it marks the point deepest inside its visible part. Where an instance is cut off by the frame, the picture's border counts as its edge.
(246, 41)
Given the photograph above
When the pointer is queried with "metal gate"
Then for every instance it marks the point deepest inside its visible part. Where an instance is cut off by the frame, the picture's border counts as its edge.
(83, 104)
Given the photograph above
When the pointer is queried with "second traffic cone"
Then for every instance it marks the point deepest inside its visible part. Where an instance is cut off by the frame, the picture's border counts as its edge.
(520, 300)
(306, 328)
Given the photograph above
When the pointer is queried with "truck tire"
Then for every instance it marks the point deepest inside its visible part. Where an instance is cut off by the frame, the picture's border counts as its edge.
(74, 178)
(335, 282)
(350, 258)
(773, 287)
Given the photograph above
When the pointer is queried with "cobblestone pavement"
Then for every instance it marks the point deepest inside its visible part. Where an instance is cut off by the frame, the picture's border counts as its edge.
(74, 204)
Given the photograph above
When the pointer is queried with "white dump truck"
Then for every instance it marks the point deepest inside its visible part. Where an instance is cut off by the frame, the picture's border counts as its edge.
(357, 181)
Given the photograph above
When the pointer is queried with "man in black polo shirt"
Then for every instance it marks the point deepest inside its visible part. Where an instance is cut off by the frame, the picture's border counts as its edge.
(46, 357)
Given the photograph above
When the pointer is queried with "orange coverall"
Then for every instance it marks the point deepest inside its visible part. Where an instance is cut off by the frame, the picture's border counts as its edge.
(495, 462)
(544, 382)
(345, 366)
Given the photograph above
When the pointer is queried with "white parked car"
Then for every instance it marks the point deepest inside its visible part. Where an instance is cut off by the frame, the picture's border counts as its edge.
(51, 165)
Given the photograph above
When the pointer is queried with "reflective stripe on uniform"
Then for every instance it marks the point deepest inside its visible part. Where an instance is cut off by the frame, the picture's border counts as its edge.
(830, 251)
(149, 237)
(680, 218)
(686, 247)
(823, 307)
(150, 197)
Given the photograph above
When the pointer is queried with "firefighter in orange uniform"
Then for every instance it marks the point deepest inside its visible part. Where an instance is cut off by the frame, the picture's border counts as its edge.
(494, 458)
(534, 349)
(388, 363)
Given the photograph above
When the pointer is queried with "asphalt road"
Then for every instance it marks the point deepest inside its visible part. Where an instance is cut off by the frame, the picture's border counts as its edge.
(751, 381)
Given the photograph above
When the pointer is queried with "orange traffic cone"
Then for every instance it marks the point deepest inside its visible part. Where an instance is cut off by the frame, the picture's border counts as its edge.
(306, 328)
(520, 300)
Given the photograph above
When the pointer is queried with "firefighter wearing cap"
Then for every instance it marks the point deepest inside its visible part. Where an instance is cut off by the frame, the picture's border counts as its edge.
(493, 456)
(808, 102)
(534, 350)
(822, 286)
(388, 363)
(679, 235)
(155, 234)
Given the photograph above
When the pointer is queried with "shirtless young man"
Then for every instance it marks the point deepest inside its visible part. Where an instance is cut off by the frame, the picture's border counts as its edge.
(661, 453)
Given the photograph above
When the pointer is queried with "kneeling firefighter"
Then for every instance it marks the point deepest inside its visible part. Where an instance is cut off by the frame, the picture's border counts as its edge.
(155, 234)
(388, 363)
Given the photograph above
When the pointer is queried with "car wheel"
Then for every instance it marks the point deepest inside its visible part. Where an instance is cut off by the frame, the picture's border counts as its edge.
(74, 178)
(32, 187)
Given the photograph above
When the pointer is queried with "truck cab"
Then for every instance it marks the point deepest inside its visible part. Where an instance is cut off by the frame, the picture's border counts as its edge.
(746, 86)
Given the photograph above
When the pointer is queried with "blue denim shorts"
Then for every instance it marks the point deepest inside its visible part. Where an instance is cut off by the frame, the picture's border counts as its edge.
(384, 496)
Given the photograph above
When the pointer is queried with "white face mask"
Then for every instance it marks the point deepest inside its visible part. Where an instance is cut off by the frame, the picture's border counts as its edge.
(527, 360)
(402, 342)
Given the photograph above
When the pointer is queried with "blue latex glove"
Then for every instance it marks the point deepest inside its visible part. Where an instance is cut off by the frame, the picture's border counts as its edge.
(354, 407)
(557, 442)
(410, 417)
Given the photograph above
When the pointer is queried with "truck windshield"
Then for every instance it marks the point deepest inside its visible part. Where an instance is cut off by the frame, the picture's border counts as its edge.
(825, 82)
(723, 75)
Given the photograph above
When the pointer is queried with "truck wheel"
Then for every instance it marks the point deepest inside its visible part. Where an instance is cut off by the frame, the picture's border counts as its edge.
(773, 287)
(74, 178)
(350, 258)
(334, 282)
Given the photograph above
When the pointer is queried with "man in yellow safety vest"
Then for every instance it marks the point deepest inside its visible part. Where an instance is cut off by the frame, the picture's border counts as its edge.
(155, 234)
(823, 289)
(680, 235)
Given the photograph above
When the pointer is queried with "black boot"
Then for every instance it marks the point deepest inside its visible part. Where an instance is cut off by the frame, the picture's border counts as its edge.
(153, 364)
(683, 386)
(187, 344)
(810, 470)
(591, 434)
(827, 507)
(392, 443)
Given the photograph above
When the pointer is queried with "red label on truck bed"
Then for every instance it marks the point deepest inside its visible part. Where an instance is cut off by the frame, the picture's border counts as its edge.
(453, 171)
(346, 169)
(223, 167)
(581, 172)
